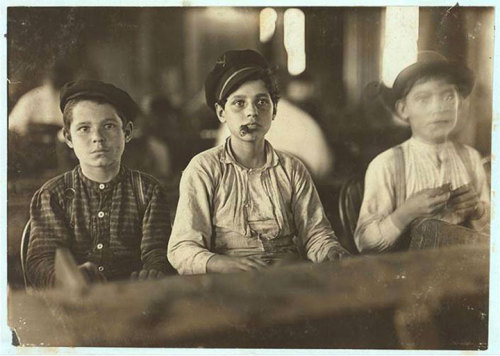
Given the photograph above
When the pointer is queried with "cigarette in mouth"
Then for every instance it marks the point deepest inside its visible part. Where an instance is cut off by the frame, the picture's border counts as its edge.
(243, 130)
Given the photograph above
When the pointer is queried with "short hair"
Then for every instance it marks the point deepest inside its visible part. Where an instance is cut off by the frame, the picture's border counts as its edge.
(268, 76)
(68, 110)
(432, 76)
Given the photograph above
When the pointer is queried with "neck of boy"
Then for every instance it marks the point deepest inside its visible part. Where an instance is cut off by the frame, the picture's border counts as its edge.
(101, 174)
(250, 154)
(438, 141)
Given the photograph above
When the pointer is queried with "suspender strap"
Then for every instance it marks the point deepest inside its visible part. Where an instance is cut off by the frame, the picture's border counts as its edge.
(69, 193)
(138, 192)
(464, 155)
(400, 179)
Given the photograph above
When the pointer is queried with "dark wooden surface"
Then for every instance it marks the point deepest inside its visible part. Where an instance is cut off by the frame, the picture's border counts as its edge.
(426, 299)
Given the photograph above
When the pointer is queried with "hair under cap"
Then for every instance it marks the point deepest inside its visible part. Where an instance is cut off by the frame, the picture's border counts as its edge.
(230, 70)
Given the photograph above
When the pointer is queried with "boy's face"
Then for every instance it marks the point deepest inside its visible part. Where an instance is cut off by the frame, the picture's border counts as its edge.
(431, 108)
(249, 105)
(97, 134)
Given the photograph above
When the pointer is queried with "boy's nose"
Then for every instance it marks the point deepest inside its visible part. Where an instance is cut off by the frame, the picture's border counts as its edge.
(251, 110)
(97, 136)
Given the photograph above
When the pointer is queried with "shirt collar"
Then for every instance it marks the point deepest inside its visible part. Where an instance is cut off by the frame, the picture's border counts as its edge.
(102, 186)
(227, 156)
(428, 147)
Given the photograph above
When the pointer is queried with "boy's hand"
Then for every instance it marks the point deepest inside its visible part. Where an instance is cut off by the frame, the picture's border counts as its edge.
(424, 203)
(91, 273)
(226, 264)
(465, 201)
(145, 274)
(337, 253)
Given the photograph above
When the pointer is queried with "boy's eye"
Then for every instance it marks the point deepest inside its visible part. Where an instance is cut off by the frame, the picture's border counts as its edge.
(109, 126)
(239, 103)
(422, 99)
(83, 129)
(449, 97)
(262, 102)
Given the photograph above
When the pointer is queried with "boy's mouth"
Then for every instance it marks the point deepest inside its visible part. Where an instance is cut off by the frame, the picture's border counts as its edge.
(440, 122)
(99, 150)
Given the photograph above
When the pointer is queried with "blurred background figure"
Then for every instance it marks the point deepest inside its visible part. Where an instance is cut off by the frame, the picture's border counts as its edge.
(40, 106)
(36, 120)
(301, 90)
(148, 151)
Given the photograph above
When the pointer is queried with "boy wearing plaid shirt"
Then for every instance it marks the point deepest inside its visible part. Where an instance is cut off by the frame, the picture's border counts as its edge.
(114, 220)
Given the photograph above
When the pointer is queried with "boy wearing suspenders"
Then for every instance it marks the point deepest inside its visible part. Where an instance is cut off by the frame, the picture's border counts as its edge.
(114, 220)
(429, 175)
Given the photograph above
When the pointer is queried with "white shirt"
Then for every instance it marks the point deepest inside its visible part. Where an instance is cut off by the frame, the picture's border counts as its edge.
(426, 166)
(217, 206)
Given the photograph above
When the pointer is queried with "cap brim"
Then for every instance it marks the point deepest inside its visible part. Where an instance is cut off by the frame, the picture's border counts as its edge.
(463, 76)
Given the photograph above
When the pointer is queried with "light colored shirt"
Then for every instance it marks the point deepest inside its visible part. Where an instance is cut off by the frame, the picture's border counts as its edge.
(217, 211)
(38, 106)
(426, 166)
(296, 132)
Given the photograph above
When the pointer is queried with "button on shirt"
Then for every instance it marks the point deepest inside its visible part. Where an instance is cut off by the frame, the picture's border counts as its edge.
(222, 201)
(426, 166)
(104, 227)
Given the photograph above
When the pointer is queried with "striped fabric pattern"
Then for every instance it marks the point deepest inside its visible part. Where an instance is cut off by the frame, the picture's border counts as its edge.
(105, 226)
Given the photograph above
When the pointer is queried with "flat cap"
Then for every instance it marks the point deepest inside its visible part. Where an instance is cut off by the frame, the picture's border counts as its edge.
(432, 63)
(230, 70)
(99, 90)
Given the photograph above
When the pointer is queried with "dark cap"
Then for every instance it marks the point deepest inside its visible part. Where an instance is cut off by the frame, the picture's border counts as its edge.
(230, 70)
(99, 90)
(432, 63)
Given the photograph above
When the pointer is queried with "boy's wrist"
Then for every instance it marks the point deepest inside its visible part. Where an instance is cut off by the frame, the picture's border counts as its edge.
(401, 218)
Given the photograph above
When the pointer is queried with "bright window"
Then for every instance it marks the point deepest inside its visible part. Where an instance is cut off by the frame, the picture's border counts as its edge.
(400, 41)
(295, 43)
(268, 17)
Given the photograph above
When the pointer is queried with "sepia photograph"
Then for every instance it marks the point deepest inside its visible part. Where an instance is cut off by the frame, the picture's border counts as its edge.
(251, 178)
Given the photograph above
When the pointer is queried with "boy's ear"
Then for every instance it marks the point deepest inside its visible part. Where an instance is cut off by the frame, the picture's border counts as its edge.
(401, 110)
(129, 127)
(219, 110)
(67, 138)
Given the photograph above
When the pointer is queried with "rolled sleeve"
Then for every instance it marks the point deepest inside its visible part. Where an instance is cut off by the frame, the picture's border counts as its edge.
(375, 230)
(190, 243)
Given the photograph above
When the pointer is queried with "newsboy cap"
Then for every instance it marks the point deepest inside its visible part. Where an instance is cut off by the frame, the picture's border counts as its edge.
(432, 63)
(230, 70)
(99, 90)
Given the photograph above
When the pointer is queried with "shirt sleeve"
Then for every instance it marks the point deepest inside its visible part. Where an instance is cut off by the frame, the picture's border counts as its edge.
(314, 230)
(375, 230)
(155, 232)
(49, 231)
(189, 245)
(483, 223)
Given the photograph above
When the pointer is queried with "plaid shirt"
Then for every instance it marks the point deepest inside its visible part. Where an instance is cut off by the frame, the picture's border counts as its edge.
(104, 227)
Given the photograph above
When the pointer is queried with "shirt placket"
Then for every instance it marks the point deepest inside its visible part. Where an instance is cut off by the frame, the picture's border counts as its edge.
(246, 201)
(101, 241)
